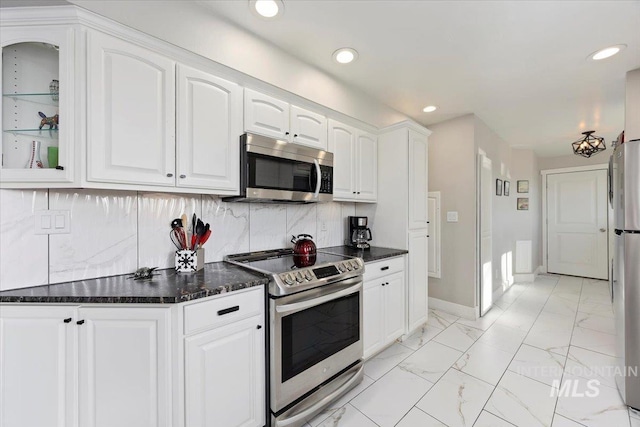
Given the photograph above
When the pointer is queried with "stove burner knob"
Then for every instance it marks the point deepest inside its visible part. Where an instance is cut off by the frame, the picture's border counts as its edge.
(287, 279)
(355, 265)
(348, 265)
(308, 276)
(342, 268)
(299, 277)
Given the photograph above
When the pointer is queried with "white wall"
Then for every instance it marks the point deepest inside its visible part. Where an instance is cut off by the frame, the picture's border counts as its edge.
(452, 172)
(527, 224)
(115, 232)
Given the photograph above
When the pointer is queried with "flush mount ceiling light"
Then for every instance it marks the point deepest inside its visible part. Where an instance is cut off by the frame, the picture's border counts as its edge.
(267, 8)
(430, 109)
(607, 52)
(589, 145)
(345, 55)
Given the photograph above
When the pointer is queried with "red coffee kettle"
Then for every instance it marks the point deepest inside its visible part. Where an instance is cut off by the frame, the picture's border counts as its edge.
(304, 250)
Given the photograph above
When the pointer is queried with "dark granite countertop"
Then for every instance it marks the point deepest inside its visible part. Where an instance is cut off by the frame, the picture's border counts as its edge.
(374, 253)
(166, 286)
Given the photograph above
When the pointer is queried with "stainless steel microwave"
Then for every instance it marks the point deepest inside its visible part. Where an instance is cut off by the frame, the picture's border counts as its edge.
(272, 170)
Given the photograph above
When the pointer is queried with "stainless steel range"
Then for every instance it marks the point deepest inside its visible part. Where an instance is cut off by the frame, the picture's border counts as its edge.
(315, 328)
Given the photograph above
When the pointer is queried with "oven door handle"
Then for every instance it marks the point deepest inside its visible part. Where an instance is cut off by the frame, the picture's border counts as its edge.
(296, 306)
(318, 178)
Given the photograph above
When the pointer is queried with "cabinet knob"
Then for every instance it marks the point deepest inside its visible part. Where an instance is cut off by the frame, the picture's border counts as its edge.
(358, 192)
(67, 320)
(286, 133)
(259, 327)
(354, 192)
(80, 322)
(169, 175)
(295, 135)
(183, 176)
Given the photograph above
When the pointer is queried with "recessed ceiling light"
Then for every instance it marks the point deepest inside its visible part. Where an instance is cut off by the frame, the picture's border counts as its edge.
(345, 55)
(607, 52)
(267, 8)
(430, 109)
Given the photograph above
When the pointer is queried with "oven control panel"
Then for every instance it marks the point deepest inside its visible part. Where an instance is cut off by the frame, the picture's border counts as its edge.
(307, 275)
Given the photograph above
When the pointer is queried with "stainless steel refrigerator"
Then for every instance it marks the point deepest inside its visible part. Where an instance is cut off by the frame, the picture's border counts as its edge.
(625, 170)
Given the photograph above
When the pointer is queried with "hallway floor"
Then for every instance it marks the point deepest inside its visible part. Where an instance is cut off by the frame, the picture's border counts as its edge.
(542, 339)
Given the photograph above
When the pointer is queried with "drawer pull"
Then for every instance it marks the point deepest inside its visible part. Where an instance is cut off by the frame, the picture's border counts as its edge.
(67, 320)
(80, 322)
(228, 310)
(384, 268)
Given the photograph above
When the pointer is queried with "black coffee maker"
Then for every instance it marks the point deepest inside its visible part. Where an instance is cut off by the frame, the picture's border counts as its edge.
(359, 233)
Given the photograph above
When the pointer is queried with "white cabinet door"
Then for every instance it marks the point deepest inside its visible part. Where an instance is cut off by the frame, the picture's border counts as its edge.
(418, 181)
(209, 124)
(225, 376)
(37, 366)
(342, 143)
(131, 113)
(34, 56)
(373, 317)
(393, 306)
(265, 115)
(418, 279)
(125, 372)
(308, 128)
(367, 167)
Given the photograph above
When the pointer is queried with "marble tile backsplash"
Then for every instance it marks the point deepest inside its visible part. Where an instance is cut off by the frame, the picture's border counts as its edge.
(115, 232)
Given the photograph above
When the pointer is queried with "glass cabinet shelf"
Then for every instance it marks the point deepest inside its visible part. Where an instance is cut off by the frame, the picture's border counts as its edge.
(46, 98)
(20, 95)
(41, 133)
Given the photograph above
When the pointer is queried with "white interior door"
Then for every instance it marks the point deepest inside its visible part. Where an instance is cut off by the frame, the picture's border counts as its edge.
(485, 191)
(577, 224)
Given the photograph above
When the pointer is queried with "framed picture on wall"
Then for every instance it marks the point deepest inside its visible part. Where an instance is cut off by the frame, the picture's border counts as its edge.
(498, 187)
(523, 186)
(523, 203)
(507, 185)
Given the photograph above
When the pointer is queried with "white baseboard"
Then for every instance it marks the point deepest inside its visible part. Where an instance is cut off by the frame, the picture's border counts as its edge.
(527, 277)
(470, 313)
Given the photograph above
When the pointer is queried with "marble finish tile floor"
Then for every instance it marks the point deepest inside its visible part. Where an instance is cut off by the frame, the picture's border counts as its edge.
(541, 358)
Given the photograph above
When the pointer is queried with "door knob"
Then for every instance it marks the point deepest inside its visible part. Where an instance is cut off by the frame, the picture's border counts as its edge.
(602, 230)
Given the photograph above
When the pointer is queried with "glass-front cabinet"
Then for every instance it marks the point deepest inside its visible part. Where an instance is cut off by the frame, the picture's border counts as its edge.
(37, 106)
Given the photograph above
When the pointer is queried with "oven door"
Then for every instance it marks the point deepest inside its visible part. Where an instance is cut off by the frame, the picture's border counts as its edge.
(314, 336)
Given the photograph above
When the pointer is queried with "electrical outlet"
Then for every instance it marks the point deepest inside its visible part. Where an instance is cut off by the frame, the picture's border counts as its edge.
(52, 222)
(452, 216)
(323, 226)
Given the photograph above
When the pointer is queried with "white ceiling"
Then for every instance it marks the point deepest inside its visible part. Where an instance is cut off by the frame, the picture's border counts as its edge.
(518, 65)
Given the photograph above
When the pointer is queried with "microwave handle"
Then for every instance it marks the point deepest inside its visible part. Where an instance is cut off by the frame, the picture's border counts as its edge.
(318, 178)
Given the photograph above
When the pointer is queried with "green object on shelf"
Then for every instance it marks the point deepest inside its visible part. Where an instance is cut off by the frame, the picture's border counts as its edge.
(52, 156)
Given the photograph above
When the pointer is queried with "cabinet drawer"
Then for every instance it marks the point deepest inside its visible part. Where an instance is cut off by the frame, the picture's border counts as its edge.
(224, 310)
(373, 270)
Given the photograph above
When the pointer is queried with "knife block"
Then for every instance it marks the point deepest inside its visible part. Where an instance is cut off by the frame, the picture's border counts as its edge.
(188, 261)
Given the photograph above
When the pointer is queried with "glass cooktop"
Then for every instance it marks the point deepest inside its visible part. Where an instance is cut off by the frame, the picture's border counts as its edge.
(283, 262)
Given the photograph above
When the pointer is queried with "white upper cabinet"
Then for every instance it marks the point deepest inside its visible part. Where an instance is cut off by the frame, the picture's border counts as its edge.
(209, 123)
(269, 116)
(355, 163)
(134, 113)
(308, 128)
(418, 181)
(366, 167)
(38, 79)
(131, 113)
(342, 143)
(265, 115)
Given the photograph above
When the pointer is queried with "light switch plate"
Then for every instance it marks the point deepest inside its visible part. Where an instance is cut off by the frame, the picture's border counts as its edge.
(452, 216)
(52, 222)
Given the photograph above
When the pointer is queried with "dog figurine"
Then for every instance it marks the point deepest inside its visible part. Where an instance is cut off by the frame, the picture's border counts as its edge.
(51, 121)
